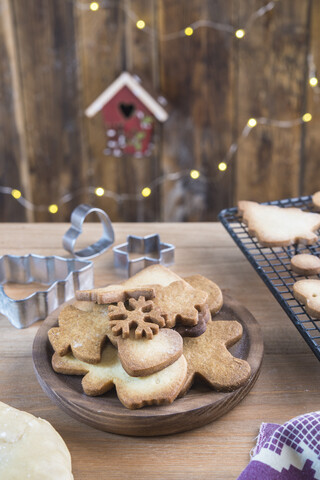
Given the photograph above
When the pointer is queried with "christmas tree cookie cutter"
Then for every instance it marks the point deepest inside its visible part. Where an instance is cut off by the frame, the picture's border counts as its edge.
(150, 251)
(62, 275)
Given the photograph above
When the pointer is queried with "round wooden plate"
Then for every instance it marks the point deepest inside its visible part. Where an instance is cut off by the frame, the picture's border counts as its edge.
(200, 406)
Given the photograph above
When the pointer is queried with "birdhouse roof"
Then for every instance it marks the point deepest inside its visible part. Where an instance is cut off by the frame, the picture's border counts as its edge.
(127, 80)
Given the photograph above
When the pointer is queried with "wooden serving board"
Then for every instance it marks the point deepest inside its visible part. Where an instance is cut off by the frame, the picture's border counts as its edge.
(199, 407)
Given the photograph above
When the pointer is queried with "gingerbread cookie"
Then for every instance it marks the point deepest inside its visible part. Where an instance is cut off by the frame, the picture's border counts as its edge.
(141, 315)
(82, 332)
(179, 303)
(215, 299)
(114, 295)
(276, 226)
(133, 392)
(84, 328)
(308, 292)
(155, 274)
(197, 330)
(208, 357)
(305, 264)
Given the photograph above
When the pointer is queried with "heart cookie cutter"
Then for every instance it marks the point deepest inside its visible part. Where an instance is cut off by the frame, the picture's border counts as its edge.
(144, 246)
(64, 276)
(78, 216)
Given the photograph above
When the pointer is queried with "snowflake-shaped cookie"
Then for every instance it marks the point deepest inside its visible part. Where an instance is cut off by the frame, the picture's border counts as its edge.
(142, 316)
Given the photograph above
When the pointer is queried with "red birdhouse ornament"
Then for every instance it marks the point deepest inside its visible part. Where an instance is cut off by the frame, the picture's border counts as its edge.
(129, 113)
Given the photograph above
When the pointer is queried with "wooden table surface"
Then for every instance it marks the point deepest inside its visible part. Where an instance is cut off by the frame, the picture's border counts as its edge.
(289, 383)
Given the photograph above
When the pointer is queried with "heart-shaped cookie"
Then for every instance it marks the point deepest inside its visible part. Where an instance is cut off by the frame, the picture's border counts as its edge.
(143, 357)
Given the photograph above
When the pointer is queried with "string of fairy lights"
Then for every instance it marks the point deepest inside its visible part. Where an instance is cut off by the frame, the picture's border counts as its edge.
(187, 31)
(194, 174)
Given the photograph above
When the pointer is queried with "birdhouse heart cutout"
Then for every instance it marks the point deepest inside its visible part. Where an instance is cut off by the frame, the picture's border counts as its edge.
(127, 109)
(130, 114)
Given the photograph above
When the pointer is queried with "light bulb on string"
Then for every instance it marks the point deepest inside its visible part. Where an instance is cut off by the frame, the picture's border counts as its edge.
(53, 208)
(222, 166)
(99, 191)
(313, 81)
(16, 193)
(94, 6)
(307, 117)
(194, 174)
(140, 24)
(240, 33)
(252, 122)
(146, 192)
(188, 31)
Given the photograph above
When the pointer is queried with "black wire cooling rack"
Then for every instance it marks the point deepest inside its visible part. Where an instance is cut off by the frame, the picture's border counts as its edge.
(273, 266)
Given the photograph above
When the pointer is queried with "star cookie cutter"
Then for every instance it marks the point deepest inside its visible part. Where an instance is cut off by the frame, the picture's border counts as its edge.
(63, 275)
(162, 253)
(78, 216)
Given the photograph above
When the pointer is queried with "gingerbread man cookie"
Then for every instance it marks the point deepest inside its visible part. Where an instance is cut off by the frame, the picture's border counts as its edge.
(208, 357)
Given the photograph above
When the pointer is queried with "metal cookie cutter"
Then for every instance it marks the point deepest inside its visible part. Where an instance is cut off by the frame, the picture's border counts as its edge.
(64, 276)
(77, 218)
(144, 246)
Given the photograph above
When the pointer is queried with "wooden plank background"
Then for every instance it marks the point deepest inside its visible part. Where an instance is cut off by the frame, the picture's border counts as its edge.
(56, 57)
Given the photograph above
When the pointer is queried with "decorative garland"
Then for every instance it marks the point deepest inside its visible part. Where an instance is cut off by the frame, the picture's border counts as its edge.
(188, 30)
(172, 177)
(193, 173)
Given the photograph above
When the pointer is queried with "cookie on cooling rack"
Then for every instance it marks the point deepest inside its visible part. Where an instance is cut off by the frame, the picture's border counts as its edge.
(316, 200)
(276, 226)
(307, 291)
(305, 264)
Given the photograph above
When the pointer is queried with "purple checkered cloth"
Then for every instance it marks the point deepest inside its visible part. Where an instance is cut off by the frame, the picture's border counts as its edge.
(287, 452)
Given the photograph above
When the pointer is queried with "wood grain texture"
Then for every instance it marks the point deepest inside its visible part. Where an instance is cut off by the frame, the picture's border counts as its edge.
(48, 72)
(99, 39)
(288, 385)
(309, 152)
(141, 58)
(199, 407)
(199, 130)
(272, 84)
(13, 160)
(57, 59)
